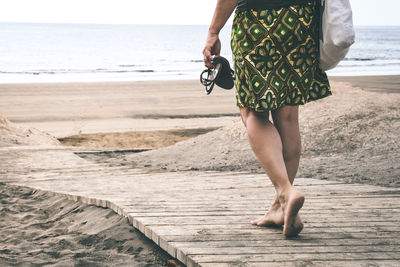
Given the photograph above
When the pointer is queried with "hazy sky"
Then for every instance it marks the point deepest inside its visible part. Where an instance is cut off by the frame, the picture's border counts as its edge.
(366, 12)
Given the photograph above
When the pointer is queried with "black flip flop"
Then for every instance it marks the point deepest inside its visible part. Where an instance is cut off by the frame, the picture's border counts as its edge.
(225, 77)
(221, 74)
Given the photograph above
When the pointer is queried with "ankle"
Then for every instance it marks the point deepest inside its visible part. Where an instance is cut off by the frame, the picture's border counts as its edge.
(283, 195)
(276, 200)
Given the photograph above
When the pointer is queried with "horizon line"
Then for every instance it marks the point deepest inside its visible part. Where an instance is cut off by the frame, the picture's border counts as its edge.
(150, 24)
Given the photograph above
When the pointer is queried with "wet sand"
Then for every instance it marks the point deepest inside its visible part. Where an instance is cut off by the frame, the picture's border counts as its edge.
(66, 109)
(387, 84)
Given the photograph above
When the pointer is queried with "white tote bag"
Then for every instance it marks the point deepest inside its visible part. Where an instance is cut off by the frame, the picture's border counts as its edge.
(337, 32)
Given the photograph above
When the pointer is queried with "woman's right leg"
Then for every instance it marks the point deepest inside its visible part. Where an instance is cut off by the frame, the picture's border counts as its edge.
(286, 121)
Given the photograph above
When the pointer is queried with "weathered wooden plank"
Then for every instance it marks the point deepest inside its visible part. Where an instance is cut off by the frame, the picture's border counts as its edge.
(183, 181)
(250, 250)
(226, 230)
(327, 263)
(277, 235)
(312, 242)
(246, 225)
(268, 257)
(325, 215)
(265, 201)
(281, 254)
(314, 205)
(157, 200)
(352, 212)
(240, 219)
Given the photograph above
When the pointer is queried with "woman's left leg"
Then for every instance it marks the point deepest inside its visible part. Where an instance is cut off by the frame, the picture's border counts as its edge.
(286, 122)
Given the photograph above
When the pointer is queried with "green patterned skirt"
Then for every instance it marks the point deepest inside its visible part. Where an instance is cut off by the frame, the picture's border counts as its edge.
(276, 54)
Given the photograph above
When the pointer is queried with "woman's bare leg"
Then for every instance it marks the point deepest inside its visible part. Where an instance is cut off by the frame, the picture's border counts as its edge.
(274, 216)
(286, 121)
(266, 143)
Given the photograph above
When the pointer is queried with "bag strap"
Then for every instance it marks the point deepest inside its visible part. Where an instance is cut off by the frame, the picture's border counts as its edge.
(321, 15)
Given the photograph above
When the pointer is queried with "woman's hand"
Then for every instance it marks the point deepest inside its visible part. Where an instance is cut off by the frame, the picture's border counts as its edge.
(222, 12)
(212, 48)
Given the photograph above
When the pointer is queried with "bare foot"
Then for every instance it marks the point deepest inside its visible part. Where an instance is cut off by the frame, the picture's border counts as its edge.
(292, 223)
(274, 216)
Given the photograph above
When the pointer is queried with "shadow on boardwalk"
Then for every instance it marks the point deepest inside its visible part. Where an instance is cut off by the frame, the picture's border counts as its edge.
(202, 218)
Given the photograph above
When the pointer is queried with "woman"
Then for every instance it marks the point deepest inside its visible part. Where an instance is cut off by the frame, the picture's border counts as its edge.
(275, 52)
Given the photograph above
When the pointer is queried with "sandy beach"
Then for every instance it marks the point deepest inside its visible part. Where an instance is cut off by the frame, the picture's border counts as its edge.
(66, 109)
(351, 136)
(38, 228)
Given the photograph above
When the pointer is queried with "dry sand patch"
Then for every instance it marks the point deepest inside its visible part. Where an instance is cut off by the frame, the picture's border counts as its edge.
(134, 140)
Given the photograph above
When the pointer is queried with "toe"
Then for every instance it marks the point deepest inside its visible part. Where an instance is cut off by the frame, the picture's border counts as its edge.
(256, 221)
(261, 222)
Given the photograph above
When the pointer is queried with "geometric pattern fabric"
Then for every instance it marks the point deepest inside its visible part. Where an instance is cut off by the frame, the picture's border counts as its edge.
(276, 57)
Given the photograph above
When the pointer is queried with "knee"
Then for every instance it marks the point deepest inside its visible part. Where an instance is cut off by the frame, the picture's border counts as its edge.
(287, 114)
(289, 117)
(249, 115)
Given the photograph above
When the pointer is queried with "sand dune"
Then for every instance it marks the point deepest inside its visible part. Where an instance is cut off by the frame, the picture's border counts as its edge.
(14, 135)
(352, 135)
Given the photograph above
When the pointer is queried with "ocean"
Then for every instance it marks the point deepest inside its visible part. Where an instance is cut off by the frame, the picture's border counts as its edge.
(93, 52)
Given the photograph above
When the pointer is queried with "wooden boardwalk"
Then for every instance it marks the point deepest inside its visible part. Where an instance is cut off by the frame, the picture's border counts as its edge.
(202, 218)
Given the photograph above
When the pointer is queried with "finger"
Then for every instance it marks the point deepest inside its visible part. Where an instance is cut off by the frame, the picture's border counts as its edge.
(208, 58)
(208, 64)
(207, 55)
